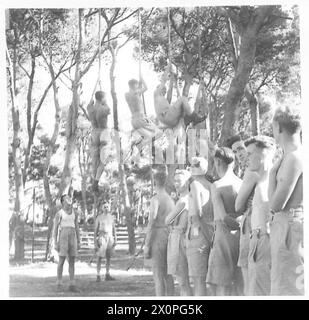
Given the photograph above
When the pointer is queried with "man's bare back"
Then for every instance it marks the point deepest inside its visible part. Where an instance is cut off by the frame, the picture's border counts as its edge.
(135, 103)
(226, 190)
(294, 158)
(98, 113)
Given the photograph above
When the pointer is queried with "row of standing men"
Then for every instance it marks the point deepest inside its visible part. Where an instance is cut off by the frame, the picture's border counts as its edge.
(241, 234)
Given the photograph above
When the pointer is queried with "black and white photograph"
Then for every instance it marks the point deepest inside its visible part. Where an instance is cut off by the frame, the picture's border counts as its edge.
(154, 149)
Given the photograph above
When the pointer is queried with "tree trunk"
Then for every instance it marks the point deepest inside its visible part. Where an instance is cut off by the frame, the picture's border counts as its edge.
(254, 110)
(244, 67)
(71, 125)
(50, 151)
(16, 154)
(123, 184)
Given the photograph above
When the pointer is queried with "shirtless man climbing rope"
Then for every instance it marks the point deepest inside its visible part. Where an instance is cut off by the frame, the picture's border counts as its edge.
(170, 114)
(98, 113)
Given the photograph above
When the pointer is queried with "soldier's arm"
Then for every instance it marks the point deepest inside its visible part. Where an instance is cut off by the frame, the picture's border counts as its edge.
(77, 227)
(195, 191)
(56, 227)
(180, 206)
(152, 216)
(290, 171)
(272, 183)
(217, 201)
(247, 186)
(95, 233)
(114, 231)
(143, 86)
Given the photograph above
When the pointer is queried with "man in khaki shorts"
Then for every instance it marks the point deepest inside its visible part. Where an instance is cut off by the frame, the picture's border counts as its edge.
(177, 262)
(286, 204)
(155, 249)
(261, 150)
(105, 240)
(222, 270)
(200, 228)
(66, 239)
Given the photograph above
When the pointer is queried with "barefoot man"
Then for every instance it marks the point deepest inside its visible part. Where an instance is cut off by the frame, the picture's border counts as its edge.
(98, 113)
(286, 204)
(261, 150)
(223, 258)
(177, 262)
(168, 114)
(105, 239)
(200, 229)
(66, 239)
(157, 236)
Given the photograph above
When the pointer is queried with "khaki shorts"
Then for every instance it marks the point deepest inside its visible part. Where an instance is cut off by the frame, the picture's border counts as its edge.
(177, 262)
(287, 263)
(244, 241)
(105, 245)
(197, 260)
(259, 264)
(67, 242)
(222, 268)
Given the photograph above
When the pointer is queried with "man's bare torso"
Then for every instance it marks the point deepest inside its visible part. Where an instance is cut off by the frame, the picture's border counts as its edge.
(105, 223)
(260, 206)
(135, 103)
(98, 113)
(227, 188)
(161, 104)
(296, 198)
(204, 196)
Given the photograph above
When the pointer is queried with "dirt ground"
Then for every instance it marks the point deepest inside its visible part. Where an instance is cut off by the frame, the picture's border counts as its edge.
(38, 278)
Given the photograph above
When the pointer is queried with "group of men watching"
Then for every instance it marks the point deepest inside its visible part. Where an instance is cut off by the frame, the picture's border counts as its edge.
(240, 235)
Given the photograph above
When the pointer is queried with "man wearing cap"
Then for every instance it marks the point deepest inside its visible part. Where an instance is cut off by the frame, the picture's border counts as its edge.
(222, 270)
(286, 204)
(177, 262)
(200, 229)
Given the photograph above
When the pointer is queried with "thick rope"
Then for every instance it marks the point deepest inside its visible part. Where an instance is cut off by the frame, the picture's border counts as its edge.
(140, 53)
(169, 36)
(99, 75)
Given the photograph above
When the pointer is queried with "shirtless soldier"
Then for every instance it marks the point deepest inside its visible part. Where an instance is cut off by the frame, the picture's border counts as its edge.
(261, 150)
(157, 236)
(144, 126)
(98, 113)
(170, 115)
(286, 200)
(200, 229)
(105, 240)
(177, 262)
(222, 270)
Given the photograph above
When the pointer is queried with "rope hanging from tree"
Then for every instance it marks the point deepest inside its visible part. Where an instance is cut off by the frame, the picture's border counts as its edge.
(140, 54)
(99, 74)
(169, 37)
